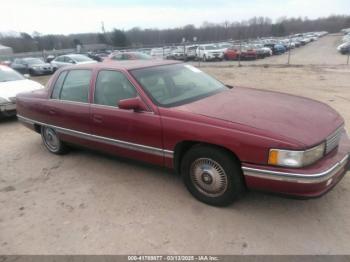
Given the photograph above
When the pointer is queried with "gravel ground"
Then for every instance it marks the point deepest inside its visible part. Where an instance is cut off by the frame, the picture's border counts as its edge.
(90, 203)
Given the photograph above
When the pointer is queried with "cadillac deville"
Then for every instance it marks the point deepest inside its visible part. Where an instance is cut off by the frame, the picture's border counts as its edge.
(223, 140)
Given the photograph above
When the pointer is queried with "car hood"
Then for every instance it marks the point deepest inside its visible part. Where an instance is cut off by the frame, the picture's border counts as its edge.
(12, 88)
(298, 119)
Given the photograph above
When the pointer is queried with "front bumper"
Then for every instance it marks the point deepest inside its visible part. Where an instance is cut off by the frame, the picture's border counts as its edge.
(311, 181)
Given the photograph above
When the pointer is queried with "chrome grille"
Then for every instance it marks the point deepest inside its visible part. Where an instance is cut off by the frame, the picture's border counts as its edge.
(333, 140)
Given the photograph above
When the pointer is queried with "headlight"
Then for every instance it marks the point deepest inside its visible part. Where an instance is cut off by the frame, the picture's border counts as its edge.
(289, 158)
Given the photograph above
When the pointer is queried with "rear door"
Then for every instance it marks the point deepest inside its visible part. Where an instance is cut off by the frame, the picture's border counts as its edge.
(125, 132)
(68, 107)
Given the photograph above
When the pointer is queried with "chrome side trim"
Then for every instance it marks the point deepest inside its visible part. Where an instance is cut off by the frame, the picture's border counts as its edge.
(106, 140)
(296, 177)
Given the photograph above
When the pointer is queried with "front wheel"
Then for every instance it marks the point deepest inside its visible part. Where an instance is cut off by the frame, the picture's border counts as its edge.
(212, 175)
(52, 141)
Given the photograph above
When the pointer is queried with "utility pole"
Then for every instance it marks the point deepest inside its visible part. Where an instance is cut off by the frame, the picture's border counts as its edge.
(103, 27)
(240, 47)
(290, 47)
(240, 52)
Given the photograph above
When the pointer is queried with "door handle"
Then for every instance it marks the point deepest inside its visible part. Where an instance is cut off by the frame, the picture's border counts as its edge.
(52, 112)
(97, 119)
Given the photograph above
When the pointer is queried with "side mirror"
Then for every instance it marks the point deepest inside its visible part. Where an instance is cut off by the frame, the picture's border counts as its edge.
(134, 103)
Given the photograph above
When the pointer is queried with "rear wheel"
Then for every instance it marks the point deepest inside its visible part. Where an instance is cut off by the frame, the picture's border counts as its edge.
(212, 175)
(52, 141)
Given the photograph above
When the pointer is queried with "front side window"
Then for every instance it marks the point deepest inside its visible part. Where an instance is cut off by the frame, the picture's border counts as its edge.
(76, 86)
(111, 87)
(173, 85)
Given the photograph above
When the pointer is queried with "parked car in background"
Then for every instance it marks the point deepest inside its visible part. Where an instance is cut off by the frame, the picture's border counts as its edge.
(122, 56)
(248, 53)
(177, 54)
(344, 48)
(191, 52)
(224, 46)
(261, 50)
(12, 83)
(160, 52)
(209, 52)
(346, 38)
(65, 60)
(98, 56)
(172, 114)
(49, 58)
(31, 65)
(277, 49)
(232, 53)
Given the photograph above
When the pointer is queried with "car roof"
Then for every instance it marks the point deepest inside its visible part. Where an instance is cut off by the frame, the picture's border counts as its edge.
(125, 65)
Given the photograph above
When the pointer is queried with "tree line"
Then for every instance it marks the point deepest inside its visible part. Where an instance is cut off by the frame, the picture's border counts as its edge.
(137, 37)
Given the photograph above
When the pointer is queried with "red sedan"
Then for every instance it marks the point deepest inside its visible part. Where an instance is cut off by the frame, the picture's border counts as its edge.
(222, 140)
(231, 54)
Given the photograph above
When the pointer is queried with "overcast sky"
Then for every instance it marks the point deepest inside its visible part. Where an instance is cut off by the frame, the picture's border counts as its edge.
(80, 16)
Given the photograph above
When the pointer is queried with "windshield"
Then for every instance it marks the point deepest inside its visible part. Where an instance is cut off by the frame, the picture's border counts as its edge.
(33, 61)
(7, 74)
(174, 85)
(80, 58)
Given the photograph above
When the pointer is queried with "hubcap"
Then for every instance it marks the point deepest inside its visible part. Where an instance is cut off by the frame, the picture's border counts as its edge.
(208, 177)
(51, 139)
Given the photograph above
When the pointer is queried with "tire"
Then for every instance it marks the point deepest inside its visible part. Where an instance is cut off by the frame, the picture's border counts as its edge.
(52, 141)
(212, 175)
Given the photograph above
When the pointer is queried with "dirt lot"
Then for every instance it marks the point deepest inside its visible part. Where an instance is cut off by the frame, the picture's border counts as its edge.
(89, 203)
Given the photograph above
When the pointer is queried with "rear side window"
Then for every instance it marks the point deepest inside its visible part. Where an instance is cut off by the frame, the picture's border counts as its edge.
(111, 87)
(76, 86)
(58, 85)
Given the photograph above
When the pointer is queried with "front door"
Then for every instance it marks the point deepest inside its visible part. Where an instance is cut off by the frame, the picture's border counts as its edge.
(125, 132)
